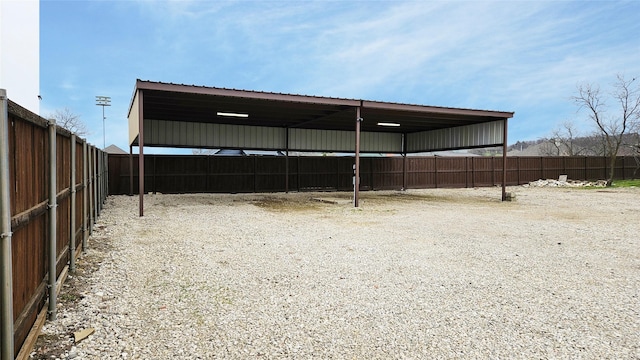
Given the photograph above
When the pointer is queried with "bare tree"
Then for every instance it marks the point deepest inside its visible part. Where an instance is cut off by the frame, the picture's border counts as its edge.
(67, 119)
(563, 141)
(549, 147)
(612, 128)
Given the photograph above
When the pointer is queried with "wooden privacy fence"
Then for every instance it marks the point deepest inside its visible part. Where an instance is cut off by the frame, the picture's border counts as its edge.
(229, 174)
(54, 185)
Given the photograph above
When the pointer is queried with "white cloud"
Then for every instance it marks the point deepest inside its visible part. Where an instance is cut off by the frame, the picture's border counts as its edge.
(518, 56)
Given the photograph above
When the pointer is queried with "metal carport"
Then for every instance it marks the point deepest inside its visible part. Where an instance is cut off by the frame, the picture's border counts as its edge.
(190, 116)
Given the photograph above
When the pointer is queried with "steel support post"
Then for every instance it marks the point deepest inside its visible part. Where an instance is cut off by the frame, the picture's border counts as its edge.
(404, 162)
(96, 184)
(72, 240)
(141, 151)
(6, 317)
(131, 170)
(106, 176)
(53, 204)
(85, 197)
(286, 161)
(356, 180)
(90, 193)
(504, 161)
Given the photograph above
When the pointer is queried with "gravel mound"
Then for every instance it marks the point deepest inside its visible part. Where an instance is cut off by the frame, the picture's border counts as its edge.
(442, 273)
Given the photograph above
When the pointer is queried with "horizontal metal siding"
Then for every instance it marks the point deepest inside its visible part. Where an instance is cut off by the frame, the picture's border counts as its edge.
(477, 135)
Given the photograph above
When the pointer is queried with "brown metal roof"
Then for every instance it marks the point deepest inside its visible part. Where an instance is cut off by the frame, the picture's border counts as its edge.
(179, 102)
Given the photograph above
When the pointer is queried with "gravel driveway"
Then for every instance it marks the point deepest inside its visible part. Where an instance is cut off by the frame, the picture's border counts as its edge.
(442, 273)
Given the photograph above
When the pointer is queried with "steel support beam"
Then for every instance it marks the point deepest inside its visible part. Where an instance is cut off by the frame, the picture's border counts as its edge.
(85, 196)
(96, 184)
(141, 151)
(105, 155)
(504, 162)
(286, 161)
(130, 170)
(356, 179)
(53, 204)
(90, 165)
(6, 295)
(72, 232)
(404, 162)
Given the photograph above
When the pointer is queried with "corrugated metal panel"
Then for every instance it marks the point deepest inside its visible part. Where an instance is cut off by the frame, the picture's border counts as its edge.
(343, 141)
(381, 142)
(321, 140)
(188, 134)
(485, 134)
(133, 121)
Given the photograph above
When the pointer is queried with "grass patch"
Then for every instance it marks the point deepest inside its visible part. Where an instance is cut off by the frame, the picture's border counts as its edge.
(282, 204)
(626, 183)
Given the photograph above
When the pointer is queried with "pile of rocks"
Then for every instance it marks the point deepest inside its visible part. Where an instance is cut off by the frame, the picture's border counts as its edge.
(566, 183)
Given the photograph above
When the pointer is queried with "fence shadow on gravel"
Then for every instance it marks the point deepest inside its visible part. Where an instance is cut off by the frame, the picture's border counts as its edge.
(54, 185)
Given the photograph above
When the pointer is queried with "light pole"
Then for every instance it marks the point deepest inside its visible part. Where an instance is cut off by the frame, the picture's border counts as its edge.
(103, 101)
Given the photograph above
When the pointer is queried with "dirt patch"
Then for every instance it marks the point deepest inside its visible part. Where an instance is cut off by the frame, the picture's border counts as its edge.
(74, 289)
(286, 204)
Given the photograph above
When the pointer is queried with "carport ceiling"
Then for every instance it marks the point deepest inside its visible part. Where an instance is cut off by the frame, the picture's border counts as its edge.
(190, 103)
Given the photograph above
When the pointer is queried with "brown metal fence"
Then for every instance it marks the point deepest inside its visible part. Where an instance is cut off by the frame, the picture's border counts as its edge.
(76, 204)
(199, 173)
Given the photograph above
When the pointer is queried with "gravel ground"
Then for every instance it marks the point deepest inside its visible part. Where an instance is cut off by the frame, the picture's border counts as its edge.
(439, 273)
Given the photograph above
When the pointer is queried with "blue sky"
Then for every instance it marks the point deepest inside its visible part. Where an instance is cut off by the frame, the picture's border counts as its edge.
(521, 56)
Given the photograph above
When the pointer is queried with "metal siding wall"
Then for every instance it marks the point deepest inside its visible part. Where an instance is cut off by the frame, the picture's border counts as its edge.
(321, 140)
(133, 120)
(329, 140)
(188, 134)
(381, 142)
(485, 134)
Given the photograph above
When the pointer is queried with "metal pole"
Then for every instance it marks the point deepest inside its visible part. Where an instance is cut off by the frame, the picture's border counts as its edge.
(141, 151)
(99, 175)
(103, 101)
(53, 204)
(356, 181)
(286, 162)
(106, 177)
(94, 153)
(6, 318)
(85, 196)
(90, 193)
(404, 162)
(131, 170)
(504, 162)
(72, 242)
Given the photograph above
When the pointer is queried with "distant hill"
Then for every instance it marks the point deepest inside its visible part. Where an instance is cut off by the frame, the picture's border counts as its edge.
(581, 146)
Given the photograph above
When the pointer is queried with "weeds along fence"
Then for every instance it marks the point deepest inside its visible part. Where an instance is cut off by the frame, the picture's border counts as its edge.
(226, 174)
(53, 188)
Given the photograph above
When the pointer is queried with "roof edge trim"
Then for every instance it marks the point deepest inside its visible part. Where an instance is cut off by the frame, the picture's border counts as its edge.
(204, 90)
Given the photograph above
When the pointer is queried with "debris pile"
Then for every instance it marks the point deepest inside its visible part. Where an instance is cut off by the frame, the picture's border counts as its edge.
(567, 183)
